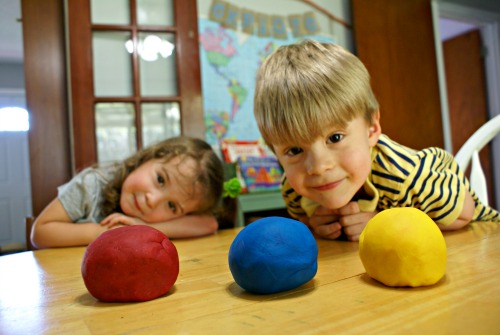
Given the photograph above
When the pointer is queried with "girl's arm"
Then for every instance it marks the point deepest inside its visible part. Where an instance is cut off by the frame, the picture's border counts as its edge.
(194, 225)
(191, 225)
(465, 217)
(54, 228)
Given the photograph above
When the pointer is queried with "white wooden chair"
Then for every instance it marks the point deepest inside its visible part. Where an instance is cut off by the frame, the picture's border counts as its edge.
(468, 153)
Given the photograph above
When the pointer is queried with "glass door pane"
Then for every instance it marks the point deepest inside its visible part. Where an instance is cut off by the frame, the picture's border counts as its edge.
(115, 131)
(110, 11)
(112, 64)
(155, 12)
(157, 64)
(160, 121)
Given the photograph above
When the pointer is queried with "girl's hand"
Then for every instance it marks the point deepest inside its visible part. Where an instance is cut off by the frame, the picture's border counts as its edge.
(119, 220)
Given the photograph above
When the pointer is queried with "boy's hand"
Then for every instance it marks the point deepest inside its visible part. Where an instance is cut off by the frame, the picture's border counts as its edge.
(329, 223)
(353, 220)
(116, 220)
(324, 223)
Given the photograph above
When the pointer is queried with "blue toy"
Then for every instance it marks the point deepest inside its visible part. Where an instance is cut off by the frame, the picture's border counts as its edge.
(272, 255)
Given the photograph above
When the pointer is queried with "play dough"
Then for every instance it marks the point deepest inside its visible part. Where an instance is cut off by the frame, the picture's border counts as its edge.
(273, 254)
(133, 263)
(403, 247)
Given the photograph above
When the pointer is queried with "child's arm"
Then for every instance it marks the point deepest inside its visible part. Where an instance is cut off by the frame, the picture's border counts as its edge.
(188, 226)
(191, 225)
(328, 223)
(54, 228)
(465, 217)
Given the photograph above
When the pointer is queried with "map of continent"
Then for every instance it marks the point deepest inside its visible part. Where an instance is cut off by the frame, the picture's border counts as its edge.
(229, 63)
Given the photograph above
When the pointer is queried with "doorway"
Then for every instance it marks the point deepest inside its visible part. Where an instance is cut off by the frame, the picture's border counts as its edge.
(486, 24)
(15, 185)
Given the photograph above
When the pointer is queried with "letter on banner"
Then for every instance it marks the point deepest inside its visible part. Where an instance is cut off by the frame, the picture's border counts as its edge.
(248, 21)
(310, 24)
(279, 27)
(264, 29)
(231, 20)
(218, 11)
(296, 25)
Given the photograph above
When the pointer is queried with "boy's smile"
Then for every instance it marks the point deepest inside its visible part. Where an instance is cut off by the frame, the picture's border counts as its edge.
(334, 166)
(328, 186)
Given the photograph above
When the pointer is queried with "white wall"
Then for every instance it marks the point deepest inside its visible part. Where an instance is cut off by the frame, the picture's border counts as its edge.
(11, 75)
(15, 189)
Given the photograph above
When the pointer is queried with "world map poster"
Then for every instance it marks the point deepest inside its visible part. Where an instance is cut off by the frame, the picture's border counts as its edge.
(229, 63)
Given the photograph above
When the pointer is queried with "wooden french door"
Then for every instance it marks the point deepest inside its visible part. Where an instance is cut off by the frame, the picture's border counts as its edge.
(134, 73)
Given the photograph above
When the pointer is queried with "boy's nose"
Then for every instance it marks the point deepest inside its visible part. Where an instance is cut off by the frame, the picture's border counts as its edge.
(318, 162)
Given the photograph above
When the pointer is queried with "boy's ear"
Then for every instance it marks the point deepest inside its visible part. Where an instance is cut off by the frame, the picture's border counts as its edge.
(375, 129)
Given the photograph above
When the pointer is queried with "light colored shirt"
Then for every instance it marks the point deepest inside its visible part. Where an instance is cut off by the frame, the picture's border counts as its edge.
(82, 196)
(429, 180)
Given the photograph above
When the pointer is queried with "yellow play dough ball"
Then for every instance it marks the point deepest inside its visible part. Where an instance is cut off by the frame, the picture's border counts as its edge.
(403, 247)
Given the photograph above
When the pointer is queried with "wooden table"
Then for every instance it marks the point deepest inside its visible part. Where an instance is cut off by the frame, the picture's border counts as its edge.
(42, 292)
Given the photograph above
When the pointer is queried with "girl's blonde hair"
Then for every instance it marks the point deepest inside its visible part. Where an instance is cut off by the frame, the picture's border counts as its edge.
(303, 88)
(209, 172)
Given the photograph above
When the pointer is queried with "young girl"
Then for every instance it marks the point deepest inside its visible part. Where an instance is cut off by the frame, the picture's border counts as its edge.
(174, 186)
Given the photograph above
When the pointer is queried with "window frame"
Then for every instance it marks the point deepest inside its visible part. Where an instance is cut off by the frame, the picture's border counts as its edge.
(82, 99)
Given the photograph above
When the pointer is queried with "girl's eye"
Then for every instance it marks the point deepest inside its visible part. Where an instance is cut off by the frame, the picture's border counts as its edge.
(335, 138)
(172, 206)
(293, 151)
(160, 179)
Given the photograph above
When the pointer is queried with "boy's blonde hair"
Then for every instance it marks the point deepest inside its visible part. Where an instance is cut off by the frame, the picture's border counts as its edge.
(303, 88)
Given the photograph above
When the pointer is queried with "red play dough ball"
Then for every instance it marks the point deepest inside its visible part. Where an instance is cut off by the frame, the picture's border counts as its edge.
(133, 263)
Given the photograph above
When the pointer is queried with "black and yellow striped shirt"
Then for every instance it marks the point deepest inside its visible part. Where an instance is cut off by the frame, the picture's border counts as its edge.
(429, 180)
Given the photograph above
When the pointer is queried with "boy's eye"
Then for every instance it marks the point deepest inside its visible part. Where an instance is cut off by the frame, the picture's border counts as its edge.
(160, 179)
(293, 151)
(335, 138)
(172, 206)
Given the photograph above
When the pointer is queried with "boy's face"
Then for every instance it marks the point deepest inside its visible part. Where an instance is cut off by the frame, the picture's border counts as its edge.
(159, 191)
(332, 168)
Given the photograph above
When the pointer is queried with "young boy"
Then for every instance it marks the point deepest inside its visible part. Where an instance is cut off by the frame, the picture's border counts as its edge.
(316, 110)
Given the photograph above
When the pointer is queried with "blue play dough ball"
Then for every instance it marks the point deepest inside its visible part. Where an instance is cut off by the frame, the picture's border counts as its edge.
(272, 255)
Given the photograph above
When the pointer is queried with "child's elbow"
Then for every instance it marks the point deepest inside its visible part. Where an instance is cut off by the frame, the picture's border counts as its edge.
(455, 225)
(465, 216)
(37, 241)
(212, 226)
(206, 225)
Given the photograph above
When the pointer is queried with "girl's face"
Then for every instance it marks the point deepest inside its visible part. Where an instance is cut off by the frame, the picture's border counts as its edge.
(332, 168)
(159, 191)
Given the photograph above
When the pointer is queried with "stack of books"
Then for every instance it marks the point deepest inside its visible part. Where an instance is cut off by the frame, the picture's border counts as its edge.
(257, 171)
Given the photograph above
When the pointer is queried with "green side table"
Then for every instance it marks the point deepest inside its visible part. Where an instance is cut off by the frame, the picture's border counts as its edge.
(256, 202)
